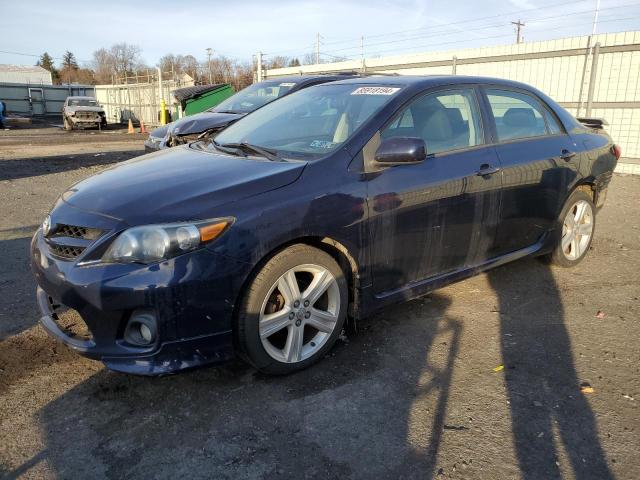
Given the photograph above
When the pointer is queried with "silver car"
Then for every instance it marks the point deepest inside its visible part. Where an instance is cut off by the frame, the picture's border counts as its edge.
(83, 112)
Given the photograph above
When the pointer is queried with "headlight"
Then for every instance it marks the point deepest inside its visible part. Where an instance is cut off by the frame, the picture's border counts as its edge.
(153, 243)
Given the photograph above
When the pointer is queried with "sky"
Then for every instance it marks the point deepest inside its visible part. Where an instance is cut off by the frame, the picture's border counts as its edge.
(240, 28)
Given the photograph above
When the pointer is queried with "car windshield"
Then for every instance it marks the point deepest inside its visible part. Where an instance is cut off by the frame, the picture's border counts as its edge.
(254, 97)
(312, 122)
(82, 102)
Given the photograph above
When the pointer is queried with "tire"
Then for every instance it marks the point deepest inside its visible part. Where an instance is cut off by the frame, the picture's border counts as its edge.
(576, 245)
(68, 126)
(275, 331)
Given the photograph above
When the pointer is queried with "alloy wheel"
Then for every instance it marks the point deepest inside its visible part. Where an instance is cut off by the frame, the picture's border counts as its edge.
(577, 230)
(299, 313)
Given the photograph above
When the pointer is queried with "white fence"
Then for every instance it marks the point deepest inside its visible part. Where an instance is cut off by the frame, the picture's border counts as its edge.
(595, 76)
(137, 101)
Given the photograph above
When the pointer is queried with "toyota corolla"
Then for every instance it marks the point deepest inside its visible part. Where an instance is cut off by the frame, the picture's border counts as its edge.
(330, 203)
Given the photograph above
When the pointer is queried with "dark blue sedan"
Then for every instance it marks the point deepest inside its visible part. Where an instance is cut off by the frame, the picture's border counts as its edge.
(331, 202)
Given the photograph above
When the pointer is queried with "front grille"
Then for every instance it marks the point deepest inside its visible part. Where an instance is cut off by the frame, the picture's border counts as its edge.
(74, 231)
(66, 251)
(70, 321)
(86, 115)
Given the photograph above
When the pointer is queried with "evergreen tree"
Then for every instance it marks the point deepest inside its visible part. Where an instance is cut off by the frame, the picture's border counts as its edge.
(45, 61)
(69, 61)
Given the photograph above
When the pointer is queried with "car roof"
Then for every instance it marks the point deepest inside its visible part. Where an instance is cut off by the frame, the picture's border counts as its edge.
(425, 81)
(305, 78)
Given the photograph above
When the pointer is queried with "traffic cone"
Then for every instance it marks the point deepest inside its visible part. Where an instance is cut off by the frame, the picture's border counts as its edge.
(142, 129)
(131, 130)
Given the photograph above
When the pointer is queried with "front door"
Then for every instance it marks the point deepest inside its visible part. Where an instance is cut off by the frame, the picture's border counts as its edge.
(440, 215)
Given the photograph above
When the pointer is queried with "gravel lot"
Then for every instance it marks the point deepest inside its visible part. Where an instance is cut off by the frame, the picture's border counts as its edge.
(414, 394)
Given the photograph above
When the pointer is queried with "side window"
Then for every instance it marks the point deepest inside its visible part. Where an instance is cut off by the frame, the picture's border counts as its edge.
(446, 120)
(552, 123)
(517, 115)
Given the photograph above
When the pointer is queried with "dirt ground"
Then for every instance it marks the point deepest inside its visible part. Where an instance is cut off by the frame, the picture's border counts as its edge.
(418, 392)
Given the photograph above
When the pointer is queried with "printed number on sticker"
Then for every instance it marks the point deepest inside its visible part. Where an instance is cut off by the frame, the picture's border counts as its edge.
(375, 91)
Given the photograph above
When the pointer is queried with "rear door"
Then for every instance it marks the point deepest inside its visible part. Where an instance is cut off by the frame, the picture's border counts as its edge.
(440, 215)
(537, 157)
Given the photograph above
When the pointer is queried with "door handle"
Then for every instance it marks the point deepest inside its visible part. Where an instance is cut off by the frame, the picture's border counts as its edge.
(567, 155)
(486, 170)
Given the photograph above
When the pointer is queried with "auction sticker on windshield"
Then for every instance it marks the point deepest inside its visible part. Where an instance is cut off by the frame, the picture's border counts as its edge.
(287, 84)
(375, 91)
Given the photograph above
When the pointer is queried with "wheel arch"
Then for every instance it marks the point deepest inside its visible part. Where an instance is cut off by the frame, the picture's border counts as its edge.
(338, 251)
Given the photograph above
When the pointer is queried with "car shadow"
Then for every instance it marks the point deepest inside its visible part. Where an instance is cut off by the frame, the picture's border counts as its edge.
(548, 408)
(233, 422)
(375, 407)
(32, 167)
(18, 309)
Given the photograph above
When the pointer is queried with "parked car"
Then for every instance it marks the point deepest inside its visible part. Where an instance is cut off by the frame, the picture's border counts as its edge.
(337, 200)
(83, 112)
(214, 120)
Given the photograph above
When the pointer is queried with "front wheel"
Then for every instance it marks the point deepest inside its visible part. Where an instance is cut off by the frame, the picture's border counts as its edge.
(576, 227)
(68, 126)
(293, 311)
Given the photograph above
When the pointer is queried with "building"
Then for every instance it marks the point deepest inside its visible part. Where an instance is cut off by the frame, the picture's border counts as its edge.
(32, 75)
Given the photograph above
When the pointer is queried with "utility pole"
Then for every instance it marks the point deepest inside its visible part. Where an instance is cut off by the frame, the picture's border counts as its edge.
(209, 52)
(259, 65)
(519, 26)
(317, 48)
(595, 18)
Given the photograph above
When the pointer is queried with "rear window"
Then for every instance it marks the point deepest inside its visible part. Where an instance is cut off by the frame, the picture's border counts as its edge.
(517, 115)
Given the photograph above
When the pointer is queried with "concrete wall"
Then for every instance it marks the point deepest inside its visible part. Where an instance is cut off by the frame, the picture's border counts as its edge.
(556, 67)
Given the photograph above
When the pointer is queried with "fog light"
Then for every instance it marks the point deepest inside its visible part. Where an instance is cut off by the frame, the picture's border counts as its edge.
(145, 333)
(141, 329)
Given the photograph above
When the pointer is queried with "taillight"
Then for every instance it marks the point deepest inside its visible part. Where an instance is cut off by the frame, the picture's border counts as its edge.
(617, 151)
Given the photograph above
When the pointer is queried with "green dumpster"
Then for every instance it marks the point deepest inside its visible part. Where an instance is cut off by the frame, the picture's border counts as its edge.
(202, 97)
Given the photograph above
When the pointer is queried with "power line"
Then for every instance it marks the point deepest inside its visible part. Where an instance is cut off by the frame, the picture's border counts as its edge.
(479, 28)
(23, 54)
(354, 56)
(460, 22)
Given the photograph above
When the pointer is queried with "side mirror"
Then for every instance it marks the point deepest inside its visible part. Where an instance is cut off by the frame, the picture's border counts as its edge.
(400, 151)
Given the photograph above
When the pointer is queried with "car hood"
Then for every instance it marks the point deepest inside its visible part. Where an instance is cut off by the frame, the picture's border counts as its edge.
(178, 184)
(84, 109)
(202, 121)
(160, 132)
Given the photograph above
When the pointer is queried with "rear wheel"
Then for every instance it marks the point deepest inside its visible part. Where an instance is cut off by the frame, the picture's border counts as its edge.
(293, 311)
(576, 227)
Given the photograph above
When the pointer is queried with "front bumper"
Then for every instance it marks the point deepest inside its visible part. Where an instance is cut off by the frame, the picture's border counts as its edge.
(153, 144)
(191, 297)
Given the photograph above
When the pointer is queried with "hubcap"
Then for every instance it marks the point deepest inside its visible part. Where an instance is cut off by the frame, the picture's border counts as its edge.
(299, 313)
(577, 230)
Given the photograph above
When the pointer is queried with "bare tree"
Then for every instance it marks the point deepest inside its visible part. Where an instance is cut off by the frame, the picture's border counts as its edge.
(126, 58)
(103, 66)
(278, 62)
(191, 67)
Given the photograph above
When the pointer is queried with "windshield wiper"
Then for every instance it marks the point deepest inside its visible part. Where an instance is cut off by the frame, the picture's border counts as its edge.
(225, 111)
(267, 153)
